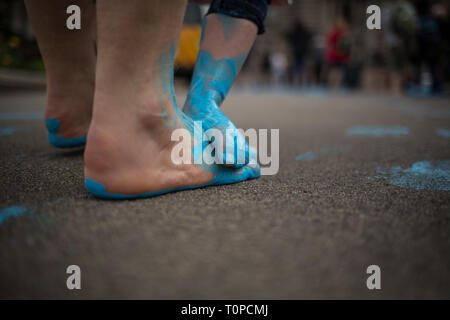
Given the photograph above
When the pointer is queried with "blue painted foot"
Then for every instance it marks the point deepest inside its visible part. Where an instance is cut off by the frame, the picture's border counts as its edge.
(56, 139)
(224, 175)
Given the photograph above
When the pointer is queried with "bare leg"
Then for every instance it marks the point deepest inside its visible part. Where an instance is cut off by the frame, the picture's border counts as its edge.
(225, 44)
(69, 59)
(128, 153)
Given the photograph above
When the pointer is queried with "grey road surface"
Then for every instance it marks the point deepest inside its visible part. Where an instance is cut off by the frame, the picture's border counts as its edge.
(363, 180)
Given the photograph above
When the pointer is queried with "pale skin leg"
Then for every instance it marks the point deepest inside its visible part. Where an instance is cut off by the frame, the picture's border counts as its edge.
(226, 37)
(224, 47)
(129, 147)
(69, 60)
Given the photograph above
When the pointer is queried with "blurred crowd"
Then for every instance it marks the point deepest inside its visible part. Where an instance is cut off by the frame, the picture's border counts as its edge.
(411, 54)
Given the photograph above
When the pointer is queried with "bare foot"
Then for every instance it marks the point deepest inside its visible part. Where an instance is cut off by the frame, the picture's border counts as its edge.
(128, 155)
(69, 111)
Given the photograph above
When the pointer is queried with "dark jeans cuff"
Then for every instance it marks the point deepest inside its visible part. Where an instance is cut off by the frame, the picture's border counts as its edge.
(253, 10)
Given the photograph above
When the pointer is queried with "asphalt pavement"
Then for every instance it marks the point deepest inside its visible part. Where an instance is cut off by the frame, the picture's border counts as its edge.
(363, 180)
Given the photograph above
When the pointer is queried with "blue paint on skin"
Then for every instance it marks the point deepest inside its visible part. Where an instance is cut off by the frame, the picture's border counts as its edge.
(56, 139)
(222, 174)
(8, 131)
(445, 133)
(11, 212)
(377, 131)
(422, 175)
(311, 155)
(210, 84)
(228, 25)
(204, 22)
(166, 74)
(21, 116)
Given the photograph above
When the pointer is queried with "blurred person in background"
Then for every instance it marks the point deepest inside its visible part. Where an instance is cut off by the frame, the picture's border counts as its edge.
(375, 70)
(337, 53)
(299, 39)
(399, 24)
(431, 47)
(440, 11)
(316, 74)
(278, 68)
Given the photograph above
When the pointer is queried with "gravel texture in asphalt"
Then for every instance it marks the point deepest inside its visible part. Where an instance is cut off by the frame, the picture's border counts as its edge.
(362, 180)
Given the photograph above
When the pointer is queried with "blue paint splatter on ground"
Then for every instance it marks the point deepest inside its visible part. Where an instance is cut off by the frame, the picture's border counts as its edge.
(443, 133)
(378, 131)
(311, 155)
(21, 115)
(422, 175)
(10, 212)
(7, 131)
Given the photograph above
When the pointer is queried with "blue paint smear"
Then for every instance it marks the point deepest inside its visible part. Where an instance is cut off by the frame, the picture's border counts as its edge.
(210, 85)
(223, 175)
(443, 133)
(10, 212)
(8, 131)
(56, 139)
(228, 25)
(422, 175)
(202, 87)
(211, 82)
(21, 116)
(311, 155)
(378, 131)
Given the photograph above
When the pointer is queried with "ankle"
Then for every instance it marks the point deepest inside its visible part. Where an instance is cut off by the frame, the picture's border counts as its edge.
(71, 92)
(147, 110)
(100, 146)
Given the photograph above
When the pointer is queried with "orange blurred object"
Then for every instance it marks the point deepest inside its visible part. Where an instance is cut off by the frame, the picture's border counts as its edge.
(188, 47)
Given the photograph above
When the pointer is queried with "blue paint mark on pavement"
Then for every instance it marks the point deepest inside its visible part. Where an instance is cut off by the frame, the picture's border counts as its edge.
(443, 133)
(7, 131)
(311, 155)
(378, 131)
(10, 212)
(422, 175)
